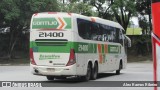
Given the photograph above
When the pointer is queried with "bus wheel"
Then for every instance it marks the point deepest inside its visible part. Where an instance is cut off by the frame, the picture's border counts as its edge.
(94, 72)
(88, 75)
(120, 67)
(50, 77)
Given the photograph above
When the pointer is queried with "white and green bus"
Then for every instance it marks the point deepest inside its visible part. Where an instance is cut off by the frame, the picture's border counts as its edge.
(68, 44)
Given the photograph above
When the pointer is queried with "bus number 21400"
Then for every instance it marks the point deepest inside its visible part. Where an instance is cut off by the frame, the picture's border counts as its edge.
(51, 34)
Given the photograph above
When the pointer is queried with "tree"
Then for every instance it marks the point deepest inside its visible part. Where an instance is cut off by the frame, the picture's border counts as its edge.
(143, 24)
(103, 7)
(98, 5)
(77, 6)
(144, 8)
(123, 11)
(16, 14)
(119, 10)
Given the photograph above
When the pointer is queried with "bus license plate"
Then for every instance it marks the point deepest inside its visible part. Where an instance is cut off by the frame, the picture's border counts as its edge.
(50, 69)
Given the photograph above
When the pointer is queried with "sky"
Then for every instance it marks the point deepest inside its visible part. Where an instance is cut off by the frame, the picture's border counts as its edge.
(135, 21)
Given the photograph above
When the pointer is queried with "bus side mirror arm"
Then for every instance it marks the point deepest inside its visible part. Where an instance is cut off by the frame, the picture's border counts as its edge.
(129, 44)
(128, 41)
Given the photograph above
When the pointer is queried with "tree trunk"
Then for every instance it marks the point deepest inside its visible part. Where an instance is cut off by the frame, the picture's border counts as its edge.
(13, 40)
(10, 43)
(149, 14)
(150, 22)
(12, 48)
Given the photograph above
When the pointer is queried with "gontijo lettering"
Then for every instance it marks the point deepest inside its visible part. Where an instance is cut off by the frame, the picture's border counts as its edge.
(51, 23)
(45, 23)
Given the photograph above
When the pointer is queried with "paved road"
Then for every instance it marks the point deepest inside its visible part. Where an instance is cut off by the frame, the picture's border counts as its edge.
(133, 72)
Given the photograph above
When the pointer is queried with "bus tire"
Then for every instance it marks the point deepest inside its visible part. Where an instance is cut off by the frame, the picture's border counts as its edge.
(50, 77)
(94, 72)
(120, 67)
(88, 74)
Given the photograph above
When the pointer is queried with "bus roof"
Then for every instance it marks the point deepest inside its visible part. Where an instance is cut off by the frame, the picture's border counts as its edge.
(108, 22)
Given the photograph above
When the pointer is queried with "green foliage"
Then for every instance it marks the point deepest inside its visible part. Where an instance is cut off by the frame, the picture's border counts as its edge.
(143, 23)
(16, 14)
(126, 5)
(9, 9)
(102, 7)
(115, 10)
(76, 6)
(143, 7)
(123, 10)
(21, 10)
(141, 45)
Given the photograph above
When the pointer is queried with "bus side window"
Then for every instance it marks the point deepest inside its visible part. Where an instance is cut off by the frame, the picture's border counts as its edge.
(103, 32)
(117, 35)
(121, 37)
(83, 28)
(95, 32)
(112, 34)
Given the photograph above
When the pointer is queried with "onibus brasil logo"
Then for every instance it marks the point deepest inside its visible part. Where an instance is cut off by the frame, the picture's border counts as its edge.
(21, 84)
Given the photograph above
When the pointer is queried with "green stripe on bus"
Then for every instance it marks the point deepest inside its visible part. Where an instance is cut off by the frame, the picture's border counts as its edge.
(68, 21)
(79, 47)
(103, 51)
(113, 49)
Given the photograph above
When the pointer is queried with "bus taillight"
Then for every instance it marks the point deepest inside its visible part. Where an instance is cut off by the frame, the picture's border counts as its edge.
(31, 57)
(72, 58)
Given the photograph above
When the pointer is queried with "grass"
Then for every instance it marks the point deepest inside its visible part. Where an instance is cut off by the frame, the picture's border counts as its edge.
(134, 31)
(140, 58)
